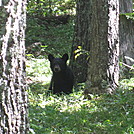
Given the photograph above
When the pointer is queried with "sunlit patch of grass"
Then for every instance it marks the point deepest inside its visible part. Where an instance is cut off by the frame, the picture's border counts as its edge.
(127, 83)
(72, 114)
(38, 70)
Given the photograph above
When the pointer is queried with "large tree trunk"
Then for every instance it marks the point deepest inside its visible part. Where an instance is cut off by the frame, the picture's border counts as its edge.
(81, 44)
(103, 68)
(13, 96)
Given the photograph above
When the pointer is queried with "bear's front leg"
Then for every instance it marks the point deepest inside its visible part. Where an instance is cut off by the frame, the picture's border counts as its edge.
(51, 84)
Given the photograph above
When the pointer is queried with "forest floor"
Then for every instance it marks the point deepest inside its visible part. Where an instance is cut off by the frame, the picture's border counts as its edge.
(71, 114)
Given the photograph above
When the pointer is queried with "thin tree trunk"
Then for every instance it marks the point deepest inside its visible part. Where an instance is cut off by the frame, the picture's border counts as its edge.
(126, 35)
(13, 106)
(126, 45)
(103, 68)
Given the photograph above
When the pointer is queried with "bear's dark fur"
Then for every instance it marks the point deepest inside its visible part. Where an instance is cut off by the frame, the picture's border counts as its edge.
(62, 78)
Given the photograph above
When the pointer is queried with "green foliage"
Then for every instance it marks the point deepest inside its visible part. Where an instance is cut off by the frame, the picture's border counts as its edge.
(72, 114)
(50, 7)
(127, 83)
(129, 15)
(38, 70)
(45, 36)
(42, 39)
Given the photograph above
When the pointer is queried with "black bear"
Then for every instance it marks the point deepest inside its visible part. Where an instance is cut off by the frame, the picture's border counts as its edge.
(62, 78)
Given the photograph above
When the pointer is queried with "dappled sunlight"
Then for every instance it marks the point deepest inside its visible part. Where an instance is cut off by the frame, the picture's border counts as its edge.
(127, 83)
(38, 70)
(73, 113)
(65, 103)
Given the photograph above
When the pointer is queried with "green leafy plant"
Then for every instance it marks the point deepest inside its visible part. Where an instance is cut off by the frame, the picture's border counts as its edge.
(50, 7)
(73, 114)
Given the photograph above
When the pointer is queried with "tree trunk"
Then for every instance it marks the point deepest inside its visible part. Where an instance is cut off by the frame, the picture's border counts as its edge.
(126, 36)
(81, 44)
(126, 45)
(13, 96)
(82, 39)
(126, 6)
(103, 68)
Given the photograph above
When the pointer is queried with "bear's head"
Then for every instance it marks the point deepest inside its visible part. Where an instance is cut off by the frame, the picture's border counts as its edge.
(58, 64)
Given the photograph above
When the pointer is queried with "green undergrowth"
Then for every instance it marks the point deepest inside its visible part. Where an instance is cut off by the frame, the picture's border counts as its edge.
(42, 39)
(73, 114)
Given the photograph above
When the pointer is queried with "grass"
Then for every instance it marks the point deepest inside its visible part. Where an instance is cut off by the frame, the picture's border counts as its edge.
(72, 114)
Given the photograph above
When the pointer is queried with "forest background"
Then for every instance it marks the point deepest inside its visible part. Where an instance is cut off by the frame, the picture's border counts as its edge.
(50, 29)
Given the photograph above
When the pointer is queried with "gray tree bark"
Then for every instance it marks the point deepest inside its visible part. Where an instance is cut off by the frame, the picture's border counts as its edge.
(126, 35)
(13, 96)
(126, 6)
(103, 67)
(127, 40)
(81, 44)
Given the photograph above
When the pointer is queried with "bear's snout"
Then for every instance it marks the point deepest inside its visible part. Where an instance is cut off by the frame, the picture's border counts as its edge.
(57, 68)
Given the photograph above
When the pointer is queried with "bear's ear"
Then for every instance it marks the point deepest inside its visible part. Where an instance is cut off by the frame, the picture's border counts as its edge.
(65, 57)
(50, 57)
